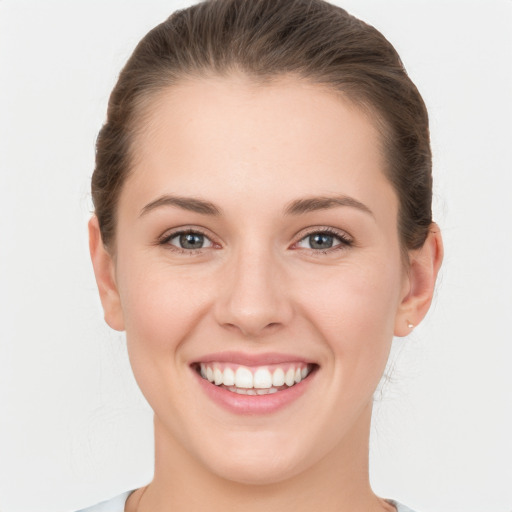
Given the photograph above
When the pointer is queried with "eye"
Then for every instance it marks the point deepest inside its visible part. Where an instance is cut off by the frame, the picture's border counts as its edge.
(189, 241)
(323, 241)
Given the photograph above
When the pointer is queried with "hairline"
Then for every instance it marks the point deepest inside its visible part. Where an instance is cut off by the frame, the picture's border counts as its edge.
(148, 97)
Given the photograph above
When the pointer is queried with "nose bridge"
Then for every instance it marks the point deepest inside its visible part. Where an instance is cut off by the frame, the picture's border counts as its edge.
(254, 297)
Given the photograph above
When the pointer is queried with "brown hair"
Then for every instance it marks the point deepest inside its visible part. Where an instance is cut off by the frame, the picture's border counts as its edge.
(311, 39)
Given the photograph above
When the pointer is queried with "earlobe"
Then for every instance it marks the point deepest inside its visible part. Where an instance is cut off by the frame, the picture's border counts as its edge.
(105, 277)
(424, 265)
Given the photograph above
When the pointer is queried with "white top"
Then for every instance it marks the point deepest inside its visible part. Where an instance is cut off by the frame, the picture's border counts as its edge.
(117, 505)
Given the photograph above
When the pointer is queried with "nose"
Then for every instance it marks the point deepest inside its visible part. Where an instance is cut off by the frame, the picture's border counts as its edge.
(253, 296)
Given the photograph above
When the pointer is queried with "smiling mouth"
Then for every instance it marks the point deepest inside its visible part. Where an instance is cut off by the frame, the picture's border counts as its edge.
(259, 380)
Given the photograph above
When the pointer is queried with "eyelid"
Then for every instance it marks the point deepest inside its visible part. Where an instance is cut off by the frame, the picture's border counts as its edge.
(175, 236)
(345, 239)
(169, 234)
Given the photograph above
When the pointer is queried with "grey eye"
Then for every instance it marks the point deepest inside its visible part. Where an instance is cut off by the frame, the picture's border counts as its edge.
(190, 241)
(321, 241)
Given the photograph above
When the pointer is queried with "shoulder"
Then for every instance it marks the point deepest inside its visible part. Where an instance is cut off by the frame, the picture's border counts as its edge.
(399, 507)
(115, 504)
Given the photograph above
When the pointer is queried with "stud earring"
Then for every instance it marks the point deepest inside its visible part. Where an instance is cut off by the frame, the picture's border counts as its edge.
(411, 326)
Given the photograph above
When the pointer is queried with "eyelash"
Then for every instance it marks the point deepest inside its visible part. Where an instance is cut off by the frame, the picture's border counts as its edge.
(165, 240)
(344, 240)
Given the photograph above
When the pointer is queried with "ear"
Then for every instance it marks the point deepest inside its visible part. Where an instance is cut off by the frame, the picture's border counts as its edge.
(424, 265)
(104, 271)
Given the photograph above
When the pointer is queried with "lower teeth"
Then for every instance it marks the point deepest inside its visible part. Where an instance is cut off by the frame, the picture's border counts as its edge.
(251, 391)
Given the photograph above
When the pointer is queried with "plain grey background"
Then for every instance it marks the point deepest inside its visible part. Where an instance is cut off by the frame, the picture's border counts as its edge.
(74, 428)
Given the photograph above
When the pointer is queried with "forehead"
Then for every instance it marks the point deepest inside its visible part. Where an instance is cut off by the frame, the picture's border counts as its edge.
(230, 135)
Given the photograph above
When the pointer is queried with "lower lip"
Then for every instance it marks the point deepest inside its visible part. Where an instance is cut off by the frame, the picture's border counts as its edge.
(254, 404)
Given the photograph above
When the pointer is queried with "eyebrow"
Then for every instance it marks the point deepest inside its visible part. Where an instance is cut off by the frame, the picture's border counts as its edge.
(311, 204)
(191, 204)
(297, 207)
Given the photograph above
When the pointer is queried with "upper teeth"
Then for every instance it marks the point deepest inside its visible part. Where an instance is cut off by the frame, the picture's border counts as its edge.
(261, 377)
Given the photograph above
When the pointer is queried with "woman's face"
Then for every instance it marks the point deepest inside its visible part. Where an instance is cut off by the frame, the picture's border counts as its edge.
(257, 241)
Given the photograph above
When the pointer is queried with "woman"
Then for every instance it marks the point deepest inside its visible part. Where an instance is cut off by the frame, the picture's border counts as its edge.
(262, 229)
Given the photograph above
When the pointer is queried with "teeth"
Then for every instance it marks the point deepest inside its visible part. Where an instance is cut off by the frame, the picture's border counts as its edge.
(242, 391)
(229, 377)
(278, 378)
(289, 379)
(243, 378)
(218, 377)
(256, 381)
(262, 379)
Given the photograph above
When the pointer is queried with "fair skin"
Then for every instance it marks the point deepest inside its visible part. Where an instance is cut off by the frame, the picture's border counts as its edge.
(267, 277)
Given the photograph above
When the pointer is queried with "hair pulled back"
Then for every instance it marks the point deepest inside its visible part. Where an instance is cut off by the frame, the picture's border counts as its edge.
(265, 39)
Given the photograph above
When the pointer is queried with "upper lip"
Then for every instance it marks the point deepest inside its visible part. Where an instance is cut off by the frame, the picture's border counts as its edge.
(245, 359)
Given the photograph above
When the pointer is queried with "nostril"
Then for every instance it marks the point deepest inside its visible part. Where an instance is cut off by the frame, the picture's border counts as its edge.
(251, 328)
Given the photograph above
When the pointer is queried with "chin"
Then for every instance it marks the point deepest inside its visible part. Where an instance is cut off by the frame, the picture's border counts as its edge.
(263, 460)
(255, 472)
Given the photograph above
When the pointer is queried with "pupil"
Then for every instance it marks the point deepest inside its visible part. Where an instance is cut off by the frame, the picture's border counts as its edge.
(191, 241)
(320, 241)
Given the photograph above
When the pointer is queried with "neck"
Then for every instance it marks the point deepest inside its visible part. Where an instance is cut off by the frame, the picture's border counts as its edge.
(338, 482)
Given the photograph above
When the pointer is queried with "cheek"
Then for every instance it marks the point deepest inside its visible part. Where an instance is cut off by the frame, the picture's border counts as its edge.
(161, 313)
(161, 306)
(355, 309)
